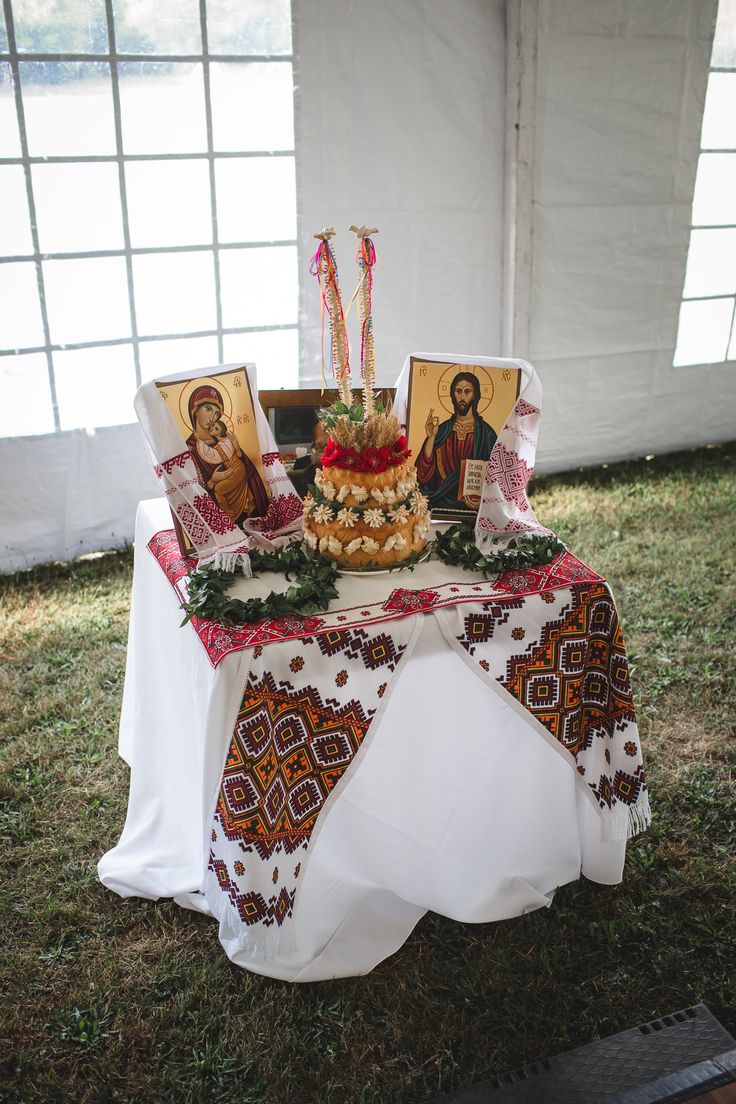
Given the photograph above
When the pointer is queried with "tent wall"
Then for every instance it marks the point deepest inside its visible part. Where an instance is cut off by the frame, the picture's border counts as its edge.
(400, 125)
(66, 494)
(534, 201)
(610, 99)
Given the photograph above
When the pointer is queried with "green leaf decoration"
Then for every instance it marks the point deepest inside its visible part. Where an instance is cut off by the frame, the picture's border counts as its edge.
(208, 597)
(457, 546)
(315, 577)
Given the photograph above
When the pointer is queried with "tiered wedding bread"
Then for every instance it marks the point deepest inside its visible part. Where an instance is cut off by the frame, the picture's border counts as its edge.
(367, 519)
(365, 510)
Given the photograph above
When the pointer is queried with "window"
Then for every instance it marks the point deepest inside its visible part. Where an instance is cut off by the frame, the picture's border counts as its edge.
(707, 329)
(147, 201)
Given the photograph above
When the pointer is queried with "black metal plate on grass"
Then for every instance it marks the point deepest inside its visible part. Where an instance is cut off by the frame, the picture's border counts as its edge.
(627, 1068)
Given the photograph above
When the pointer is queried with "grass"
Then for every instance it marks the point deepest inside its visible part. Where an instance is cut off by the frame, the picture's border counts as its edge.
(135, 1001)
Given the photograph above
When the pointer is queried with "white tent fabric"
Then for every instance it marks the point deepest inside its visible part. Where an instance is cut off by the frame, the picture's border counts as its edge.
(613, 93)
(531, 167)
(400, 124)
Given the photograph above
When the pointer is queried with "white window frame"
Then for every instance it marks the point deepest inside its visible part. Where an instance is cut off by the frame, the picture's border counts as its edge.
(113, 58)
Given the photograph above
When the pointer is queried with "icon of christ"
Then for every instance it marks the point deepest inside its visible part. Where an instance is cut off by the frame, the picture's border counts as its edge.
(464, 436)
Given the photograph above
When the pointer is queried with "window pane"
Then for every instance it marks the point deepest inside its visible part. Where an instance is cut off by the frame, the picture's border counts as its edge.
(252, 106)
(68, 107)
(87, 300)
(724, 43)
(26, 407)
(169, 203)
(714, 201)
(60, 26)
(159, 358)
(174, 293)
(711, 263)
(20, 318)
(704, 330)
(256, 198)
(77, 207)
(149, 27)
(259, 287)
(249, 26)
(15, 222)
(9, 138)
(3, 35)
(162, 108)
(719, 117)
(276, 355)
(95, 387)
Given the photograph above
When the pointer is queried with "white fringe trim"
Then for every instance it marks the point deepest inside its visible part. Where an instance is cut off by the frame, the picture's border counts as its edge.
(625, 821)
(222, 560)
(494, 542)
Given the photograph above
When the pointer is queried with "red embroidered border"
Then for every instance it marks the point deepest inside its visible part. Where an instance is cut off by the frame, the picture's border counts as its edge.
(220, 640)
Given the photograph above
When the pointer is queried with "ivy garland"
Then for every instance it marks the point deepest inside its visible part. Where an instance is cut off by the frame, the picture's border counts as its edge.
(208, 596)
(316, 576)
(457, 546)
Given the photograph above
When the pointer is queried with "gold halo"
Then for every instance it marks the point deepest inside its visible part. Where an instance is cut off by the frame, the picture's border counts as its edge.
(192, 385)
(484, 378)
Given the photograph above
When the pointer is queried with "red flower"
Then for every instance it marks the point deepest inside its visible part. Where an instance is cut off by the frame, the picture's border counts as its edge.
(369, 460)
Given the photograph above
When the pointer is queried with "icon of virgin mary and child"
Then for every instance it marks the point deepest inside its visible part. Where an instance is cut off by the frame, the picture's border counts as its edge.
(225, 470)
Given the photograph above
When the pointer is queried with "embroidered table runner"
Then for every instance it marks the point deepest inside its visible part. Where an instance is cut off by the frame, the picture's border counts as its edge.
(364, 601)
(548, 637)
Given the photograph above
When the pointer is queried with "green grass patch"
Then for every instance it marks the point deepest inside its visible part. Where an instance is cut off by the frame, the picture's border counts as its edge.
(135, 1000)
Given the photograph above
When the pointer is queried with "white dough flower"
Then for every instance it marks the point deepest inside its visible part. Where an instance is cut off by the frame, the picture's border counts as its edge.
(374, 518)
(377, 493)
(418, 503)
(334, 545)
(404, 486)
(347, 517)
(319, 475)
(390, 542)
(420, 532)
(308, 503)
(389, 495)
(399, 513)
(354, 545)
(370, 545)
(343, 493)
(323, 542)
(322, 514)
(400, 542)
(360, 494)
(328, 489)
(310, 538)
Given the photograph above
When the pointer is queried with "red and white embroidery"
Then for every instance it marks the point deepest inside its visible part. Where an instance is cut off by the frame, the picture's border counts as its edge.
(562, 656)
(220, 640)
(299, 727)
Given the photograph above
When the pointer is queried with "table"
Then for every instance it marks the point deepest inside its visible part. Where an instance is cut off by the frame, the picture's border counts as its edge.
(457, 800)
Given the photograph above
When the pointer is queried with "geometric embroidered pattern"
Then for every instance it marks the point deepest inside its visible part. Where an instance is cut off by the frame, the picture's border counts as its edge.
(220, 640)
(290, 747)
(217, 520)
(287, 752)
(573, 677)
(510, 473)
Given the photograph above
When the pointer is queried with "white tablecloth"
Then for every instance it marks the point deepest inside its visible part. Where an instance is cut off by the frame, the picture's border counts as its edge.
(457, 804)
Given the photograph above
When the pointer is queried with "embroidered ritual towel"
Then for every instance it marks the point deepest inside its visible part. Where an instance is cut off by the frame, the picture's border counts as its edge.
(504, 510)
(561, 655)
(306, 711)
(225, 500)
